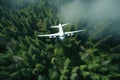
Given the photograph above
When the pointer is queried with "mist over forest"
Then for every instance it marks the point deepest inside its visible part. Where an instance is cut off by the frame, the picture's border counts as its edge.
(90, 55)
(92, 13)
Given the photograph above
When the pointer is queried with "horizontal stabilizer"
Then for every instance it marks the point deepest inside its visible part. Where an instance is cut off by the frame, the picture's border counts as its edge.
(65, 24)
(54, 26)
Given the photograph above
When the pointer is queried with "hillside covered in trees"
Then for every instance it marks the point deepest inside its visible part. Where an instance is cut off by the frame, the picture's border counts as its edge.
(24, 56)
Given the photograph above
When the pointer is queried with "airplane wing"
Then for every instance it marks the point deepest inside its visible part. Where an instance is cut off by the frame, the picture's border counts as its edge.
(49, 35)
(72, 32)
(65, 24)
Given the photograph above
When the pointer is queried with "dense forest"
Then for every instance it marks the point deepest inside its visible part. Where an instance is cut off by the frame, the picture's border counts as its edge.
(24, 56)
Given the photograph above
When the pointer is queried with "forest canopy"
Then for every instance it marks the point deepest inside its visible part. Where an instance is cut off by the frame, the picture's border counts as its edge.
(90, 55)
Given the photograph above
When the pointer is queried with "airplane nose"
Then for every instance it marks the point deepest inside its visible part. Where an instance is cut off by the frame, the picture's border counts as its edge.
(62, 38)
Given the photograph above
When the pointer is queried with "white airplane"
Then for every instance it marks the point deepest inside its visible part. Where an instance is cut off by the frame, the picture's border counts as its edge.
(61, 34)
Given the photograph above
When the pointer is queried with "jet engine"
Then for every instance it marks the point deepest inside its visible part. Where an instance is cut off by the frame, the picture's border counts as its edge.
(70, 34)
(52, 37)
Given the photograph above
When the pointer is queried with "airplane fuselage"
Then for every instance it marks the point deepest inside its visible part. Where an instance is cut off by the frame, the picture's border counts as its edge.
(61, 32)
